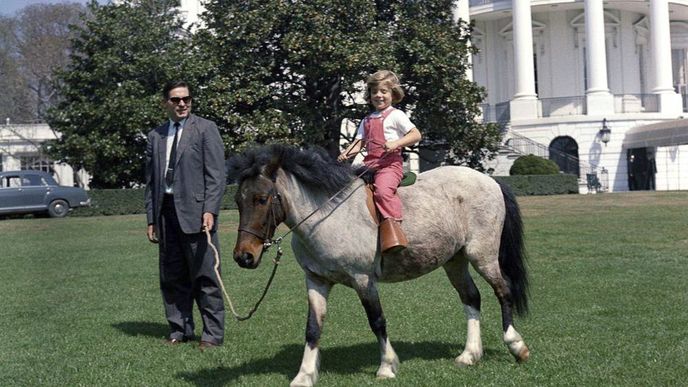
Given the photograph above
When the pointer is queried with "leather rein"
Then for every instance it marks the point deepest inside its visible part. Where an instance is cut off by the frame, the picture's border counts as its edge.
(266, 236)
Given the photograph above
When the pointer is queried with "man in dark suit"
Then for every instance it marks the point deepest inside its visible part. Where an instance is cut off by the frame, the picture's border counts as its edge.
(185, 181)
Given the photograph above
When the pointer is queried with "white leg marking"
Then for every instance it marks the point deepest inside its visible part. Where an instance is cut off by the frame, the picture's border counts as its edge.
(389, 362)
(473, 351)
(317, 300)
(516, 345)
(308, 373)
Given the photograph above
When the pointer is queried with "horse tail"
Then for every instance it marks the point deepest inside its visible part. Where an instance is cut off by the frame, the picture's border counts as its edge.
(512, 255)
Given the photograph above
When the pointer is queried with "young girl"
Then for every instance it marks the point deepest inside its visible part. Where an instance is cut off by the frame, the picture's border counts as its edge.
(385, 132)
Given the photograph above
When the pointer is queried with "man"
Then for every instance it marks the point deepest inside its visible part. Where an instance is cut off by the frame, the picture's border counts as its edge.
(185, 181)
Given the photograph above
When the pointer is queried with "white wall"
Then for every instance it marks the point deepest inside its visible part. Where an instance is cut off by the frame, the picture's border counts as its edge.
(672, 168)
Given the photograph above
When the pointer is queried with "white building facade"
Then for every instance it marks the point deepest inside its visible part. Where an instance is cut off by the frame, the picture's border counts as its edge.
(557, 71)
(20, 148)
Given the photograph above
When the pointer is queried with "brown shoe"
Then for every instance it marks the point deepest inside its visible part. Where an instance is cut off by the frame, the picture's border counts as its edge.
(206, 345)
(392, 238)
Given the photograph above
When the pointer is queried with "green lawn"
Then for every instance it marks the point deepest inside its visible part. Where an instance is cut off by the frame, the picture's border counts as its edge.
(609, 306)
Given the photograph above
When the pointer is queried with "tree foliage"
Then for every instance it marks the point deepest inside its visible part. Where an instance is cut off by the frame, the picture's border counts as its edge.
(111, 90)
(15, 101)
(265, 71)
(33, 44)
(291, 70)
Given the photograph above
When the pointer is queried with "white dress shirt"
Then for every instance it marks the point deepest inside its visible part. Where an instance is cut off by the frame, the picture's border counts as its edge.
(170, 140)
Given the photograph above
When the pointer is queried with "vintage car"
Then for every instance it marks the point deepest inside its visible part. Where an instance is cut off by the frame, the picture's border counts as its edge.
(23, 192)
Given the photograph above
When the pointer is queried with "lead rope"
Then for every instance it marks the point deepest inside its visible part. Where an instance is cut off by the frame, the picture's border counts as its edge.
(237, 316)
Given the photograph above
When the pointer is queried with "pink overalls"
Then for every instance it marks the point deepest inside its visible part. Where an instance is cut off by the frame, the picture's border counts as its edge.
(387, 166)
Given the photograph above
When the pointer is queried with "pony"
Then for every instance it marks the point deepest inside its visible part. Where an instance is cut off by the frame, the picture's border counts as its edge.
(453, 216)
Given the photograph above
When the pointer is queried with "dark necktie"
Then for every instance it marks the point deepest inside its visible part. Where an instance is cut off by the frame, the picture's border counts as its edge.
(169, 175)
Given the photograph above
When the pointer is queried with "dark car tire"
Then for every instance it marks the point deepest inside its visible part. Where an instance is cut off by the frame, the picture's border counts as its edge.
(58, 208)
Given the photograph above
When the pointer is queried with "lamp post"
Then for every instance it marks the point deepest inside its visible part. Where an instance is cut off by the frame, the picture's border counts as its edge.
(605, 132)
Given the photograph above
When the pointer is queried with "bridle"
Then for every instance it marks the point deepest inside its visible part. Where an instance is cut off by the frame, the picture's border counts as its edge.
(265, 236)
(270, 225)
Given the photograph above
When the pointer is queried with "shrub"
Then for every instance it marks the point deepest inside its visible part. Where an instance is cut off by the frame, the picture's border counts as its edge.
(130, 201)
(541, 184)
(533, 165)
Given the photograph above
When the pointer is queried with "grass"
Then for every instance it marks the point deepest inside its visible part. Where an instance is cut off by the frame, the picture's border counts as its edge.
(609, 306)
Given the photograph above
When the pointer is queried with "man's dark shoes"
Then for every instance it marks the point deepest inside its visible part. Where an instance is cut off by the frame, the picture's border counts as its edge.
(206, 345)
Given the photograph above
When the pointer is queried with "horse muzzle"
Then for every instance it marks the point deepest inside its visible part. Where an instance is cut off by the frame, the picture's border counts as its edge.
(245, 260)
(248, 251)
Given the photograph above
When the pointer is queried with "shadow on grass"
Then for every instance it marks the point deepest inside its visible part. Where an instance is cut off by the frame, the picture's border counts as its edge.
(143, 328)
(340, 360)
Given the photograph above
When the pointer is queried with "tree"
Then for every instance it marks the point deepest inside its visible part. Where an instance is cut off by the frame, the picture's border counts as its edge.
(34, 44)
(291, 71)
(110, 92)
(282, 71)
(15, 101)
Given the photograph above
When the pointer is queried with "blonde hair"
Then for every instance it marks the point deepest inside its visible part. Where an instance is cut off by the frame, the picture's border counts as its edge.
(386, 78)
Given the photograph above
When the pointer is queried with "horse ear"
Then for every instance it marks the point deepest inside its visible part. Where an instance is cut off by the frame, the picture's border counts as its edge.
(270, 169)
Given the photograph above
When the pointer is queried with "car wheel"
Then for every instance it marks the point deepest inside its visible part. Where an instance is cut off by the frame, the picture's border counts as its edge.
(58, 208)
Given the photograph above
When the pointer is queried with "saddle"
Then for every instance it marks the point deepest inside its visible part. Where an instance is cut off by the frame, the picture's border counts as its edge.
(408, 179)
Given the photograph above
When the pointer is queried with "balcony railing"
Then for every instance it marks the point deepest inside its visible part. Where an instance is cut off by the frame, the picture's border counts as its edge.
(476, 3)
(503, 112)
(636, 103)
(563, 106)
(576, 106)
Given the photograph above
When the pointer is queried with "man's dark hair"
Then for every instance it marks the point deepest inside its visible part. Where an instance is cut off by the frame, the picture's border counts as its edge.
(173, 85)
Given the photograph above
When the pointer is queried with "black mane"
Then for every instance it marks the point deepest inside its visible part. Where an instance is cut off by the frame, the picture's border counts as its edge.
(312, 166)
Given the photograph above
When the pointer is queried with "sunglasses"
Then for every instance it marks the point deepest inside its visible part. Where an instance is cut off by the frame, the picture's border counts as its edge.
(177, 100)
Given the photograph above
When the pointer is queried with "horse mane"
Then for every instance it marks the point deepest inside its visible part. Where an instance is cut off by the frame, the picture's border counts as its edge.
(312, 166)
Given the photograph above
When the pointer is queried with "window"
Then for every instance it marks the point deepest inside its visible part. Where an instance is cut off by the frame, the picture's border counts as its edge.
(35, 162)
(33, 180)
(535, 69)
(23, 181)
(11, 182)
(680, 70)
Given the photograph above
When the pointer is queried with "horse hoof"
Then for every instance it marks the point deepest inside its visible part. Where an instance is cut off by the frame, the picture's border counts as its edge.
(303, 380)
(385, 373)
(523, 355)
(466, 360)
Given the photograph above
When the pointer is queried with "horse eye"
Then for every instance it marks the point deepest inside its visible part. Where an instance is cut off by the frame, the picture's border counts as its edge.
(263, 200)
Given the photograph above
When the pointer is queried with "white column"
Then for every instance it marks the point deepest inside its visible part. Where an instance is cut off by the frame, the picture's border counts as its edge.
(598, 98)
(669, 101)
(191, 10)
(461, 10)
(523, 49)
(524, 104)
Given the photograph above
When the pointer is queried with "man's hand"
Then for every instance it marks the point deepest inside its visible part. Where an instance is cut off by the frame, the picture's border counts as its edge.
(208, 221)
(150, 232)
